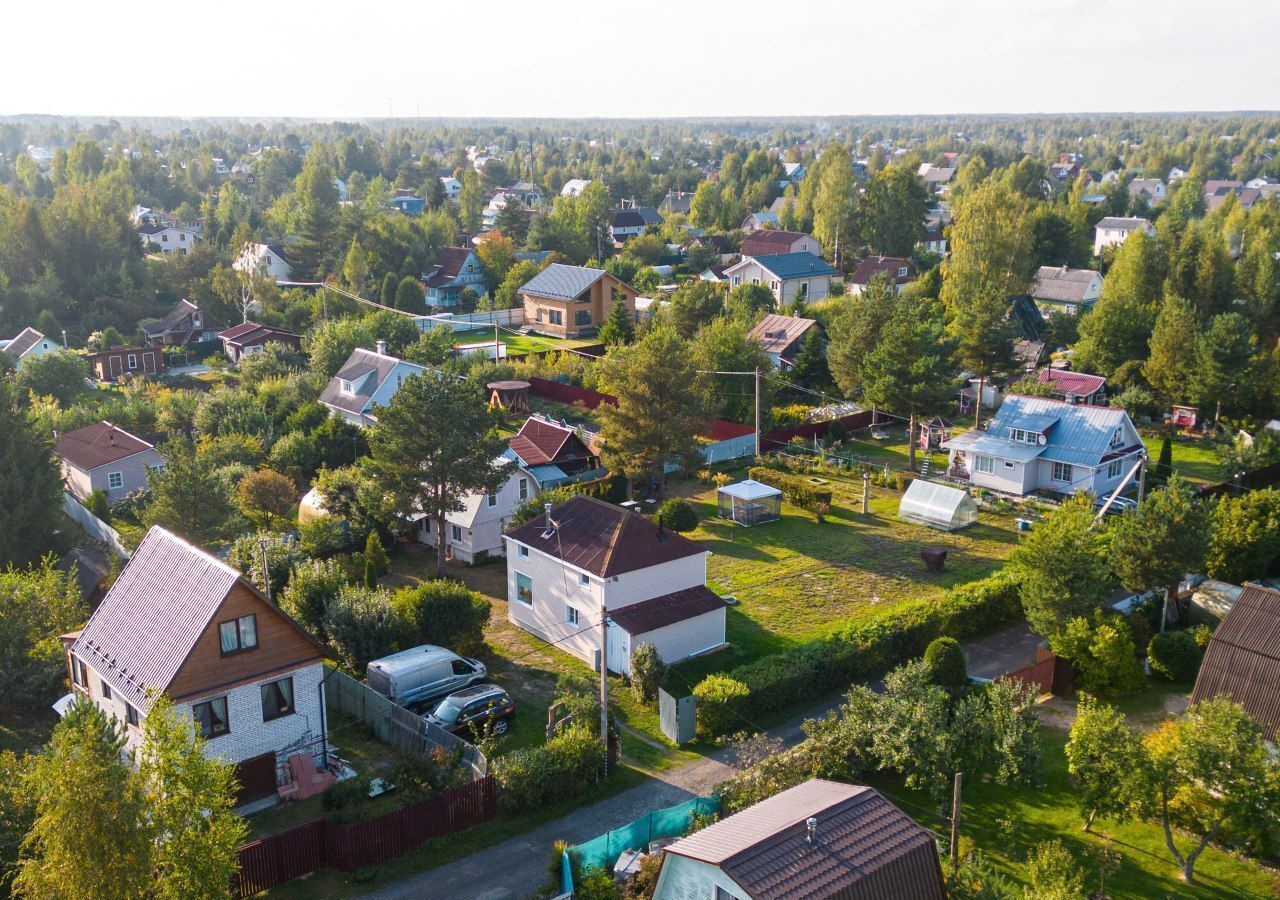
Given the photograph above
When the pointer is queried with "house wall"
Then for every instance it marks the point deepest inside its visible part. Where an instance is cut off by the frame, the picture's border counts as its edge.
(818, 288)
(555, 586)
(482, 532)
(688, 638)
(682, 878)
(109, 365)
(655, 581)
(599, 306)
(1017, 480)
(132, 468)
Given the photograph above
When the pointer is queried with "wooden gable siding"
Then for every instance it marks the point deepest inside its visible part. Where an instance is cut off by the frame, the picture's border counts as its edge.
(281, 646)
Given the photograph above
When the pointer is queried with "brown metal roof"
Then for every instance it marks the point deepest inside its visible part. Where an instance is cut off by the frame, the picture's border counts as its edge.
(766, 242)
(96, 445)
(678, 606)
(778, 334)
(539, 441)
(888, 266)
(604, 539)
(866, 848)
(1242, 660)
(25, 340)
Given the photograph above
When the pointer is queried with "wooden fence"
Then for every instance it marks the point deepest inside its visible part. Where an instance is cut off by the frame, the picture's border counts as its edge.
(320, 843)
(775, 440)
(1049, 674)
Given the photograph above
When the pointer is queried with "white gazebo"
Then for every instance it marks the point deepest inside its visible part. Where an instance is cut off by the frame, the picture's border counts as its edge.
(938, 506)
(749, 503)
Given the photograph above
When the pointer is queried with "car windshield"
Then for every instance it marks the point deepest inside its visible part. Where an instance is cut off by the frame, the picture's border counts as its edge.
(446, 712)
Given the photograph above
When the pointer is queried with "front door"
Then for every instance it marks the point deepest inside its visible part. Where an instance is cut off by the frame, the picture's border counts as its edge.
(115, 365)
(149, 363)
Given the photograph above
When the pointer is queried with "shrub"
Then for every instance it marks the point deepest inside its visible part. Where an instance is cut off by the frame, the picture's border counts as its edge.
(314, 585)
(1103, 650)
(721, 700)
(946, 662)
(360, 625)
(597, 884)
(97, 504)
(677, 514)
(282, 555)
(376, 563)
(537, 777)
(345, 801)
(1053, 873)
(323, 535)
(1175, 656)
(648, 671)
(722, 479)
(863, 651)
(809, 497)
(441, 612)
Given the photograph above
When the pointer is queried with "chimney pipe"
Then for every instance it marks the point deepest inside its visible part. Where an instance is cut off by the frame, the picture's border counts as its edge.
(812, 824)
(550, 530)
(382, 348)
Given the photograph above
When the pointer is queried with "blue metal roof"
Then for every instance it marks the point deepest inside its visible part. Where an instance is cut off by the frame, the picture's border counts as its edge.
(1082, 435)
(547, 473)
(795, 265)
(561, 282)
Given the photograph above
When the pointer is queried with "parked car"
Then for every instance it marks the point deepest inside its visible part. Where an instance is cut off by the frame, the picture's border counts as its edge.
(1118, 505)
(466, 712)
(415, 677)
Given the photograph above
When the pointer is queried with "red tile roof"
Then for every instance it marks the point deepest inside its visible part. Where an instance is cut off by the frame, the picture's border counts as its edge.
(98, 444)
(1081, 384)
(604, 539)
(540, 441)
(650, 615)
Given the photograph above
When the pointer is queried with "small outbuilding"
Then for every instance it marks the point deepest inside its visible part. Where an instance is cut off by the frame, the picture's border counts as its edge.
(510, 396)
(749, 503)
(937, 506)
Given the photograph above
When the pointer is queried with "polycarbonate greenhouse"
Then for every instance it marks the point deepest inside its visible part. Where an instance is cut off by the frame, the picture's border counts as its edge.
(938, 506)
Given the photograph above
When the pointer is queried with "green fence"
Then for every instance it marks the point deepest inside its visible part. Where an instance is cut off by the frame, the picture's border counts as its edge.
(602, 852)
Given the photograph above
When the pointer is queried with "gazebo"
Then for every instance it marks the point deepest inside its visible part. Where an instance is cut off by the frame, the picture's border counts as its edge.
(937, 506)
(511, 396)
(749, 503)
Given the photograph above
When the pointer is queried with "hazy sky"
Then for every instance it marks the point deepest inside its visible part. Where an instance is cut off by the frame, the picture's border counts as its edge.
(638, 58)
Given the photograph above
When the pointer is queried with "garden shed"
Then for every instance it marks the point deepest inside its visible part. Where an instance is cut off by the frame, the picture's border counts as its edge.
(938, 506)
(749, 503)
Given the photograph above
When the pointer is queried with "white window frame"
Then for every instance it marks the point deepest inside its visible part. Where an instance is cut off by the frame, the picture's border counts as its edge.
(455, 533)
(985, 465)
(491, 499)
(1058, 470)
(1114, 468)
(133, 360)
(115, 481)
(584, 580)
(571, 615)
(515, 595)
(522, 552)
(524, 489)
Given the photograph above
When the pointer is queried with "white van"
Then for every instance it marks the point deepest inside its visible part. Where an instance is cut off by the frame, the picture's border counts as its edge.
(416, 676)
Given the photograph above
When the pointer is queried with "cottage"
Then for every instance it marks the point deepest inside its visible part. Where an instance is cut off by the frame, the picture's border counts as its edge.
(455, 270)
(180, 622)
(1075, 387)
(677, 202)
(574, 186)
(264, 261)
(632, 221)
(452, 186)
(1242, 661)
(28, 344)
(586, 558)
(1060, 289)
(790, 277)
(367, 380)
(118, 362)
(248, 338)
(782, 336)
(185, 324)
(768, 242)
(103, 457)
(1149, 190)
(1036, 443)
(893, 270)
(936, 178)
(168, 238)
(569, 301)
(1117, 229)
(759, 220)
(934, 241)
(820, 840)
(407, 203)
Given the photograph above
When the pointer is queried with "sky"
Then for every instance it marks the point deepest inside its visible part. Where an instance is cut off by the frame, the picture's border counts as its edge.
(641, 58)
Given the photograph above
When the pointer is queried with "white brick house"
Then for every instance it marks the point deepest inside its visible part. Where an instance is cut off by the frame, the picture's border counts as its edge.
(599, 558)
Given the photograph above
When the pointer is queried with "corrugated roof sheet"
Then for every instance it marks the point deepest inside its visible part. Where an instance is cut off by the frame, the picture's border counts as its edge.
(540, 441)
(1081, 384)
(26, 339)
(98, 444)
(768, 241)
(658, 612)
(1062, 284)
(777, 334)
(866, 847)
(993, 445)
(795, 265)
(1081, 436)
(1242, 660)
(561, 282)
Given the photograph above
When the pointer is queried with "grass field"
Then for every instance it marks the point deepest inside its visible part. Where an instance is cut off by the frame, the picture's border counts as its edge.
(519, 344)
(1193, 458)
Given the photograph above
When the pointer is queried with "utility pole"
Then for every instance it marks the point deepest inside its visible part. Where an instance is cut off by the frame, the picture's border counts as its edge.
(604, 681)
(266, 572)
(1142, 482)
(866, 489)
(757, 412)
(955, 819)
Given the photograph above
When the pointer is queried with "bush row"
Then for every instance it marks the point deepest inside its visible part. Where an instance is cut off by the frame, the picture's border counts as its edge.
(797, 490)
(780, 681)
(541, 776)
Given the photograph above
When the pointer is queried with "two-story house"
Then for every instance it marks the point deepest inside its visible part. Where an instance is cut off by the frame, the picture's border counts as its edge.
(544, 454)
(569, 301)
(1117, 229)
(367, 380)
(455, 268)
(103, 456)
(1060, 289)
(264, 261)
(185, 324)
(782, 336)
(182, 623)
(1037, 443)
(1149, 190)
(28, 344)
(452, 186)
(768, 242)
(789, 276)
(632, 221)
(586, 558)
(168, 238)
(894, 270)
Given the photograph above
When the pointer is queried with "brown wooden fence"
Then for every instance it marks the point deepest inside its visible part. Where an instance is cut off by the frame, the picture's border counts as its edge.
(1049, 674)
(321, 843)
(777, 439)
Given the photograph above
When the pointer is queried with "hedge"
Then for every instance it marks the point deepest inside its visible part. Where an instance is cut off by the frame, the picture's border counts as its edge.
(537, 777)
(797, 490)
(862, 652)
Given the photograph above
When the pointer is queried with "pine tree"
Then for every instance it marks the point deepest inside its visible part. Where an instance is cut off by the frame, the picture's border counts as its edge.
(1168, 368)
(188, 497)
(30, 487)
(1164, 463)
(389, 284)
(375, 560)
(619, 327)
(810, 367)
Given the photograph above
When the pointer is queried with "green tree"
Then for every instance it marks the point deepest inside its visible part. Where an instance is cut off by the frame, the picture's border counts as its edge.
(409, 295)
(1245, 536)
(471, 201)
(508, 294)
(315, 584)
(1120, 324)
(37, 605)
(661, 408)
(333, 342)
(648, 672)
(1223, 366)
(946, 662)
(723, 346)
(1173, 340)
(747, 302)
(446, 613)
(360, 626)
(855, 333)
(352, 494)
(810, 367)
(1164, 462)
(891, 214)
(619, 327)
(1053, 873)
(1161, 540)
(317, 198)
(264, 495)
(1102, 756)
(694, 304)
(376, 563)
(188, 498)
(1063, 567)
(388, 294)
(833, 202)
(30, 487)
(1103, 650)
(58, 375)
(435, 444)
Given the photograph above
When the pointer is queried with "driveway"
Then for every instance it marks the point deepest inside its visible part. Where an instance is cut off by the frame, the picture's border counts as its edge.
(517, 867)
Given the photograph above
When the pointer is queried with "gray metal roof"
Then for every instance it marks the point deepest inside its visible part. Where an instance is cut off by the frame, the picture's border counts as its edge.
(1128, 223)
(26, 339)
(561, 282)
(145, 627)
(359, 364)
(992, 445)
(1061, 283)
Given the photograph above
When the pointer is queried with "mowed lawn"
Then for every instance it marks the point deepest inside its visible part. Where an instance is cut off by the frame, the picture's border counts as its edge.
(518, 344)
(1193, 458)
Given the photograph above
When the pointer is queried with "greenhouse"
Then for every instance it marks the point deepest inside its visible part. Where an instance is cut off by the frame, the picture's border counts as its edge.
(749, 503)
(938, 506)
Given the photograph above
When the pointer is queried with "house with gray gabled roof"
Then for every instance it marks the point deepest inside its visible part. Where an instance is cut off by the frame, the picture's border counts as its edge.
(1062, 289)
(367, 380)
(28, 344)
(571, 301)
(1117, 229)
(1037, 443)
(789, 276)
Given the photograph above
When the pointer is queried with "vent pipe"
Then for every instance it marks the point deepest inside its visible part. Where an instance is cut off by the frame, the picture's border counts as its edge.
(550, 530)
(812, 825)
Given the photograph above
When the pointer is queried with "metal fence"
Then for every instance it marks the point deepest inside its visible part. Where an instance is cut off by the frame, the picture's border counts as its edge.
(265, 863)
(513, 318)
(93, 525)
(394, 725)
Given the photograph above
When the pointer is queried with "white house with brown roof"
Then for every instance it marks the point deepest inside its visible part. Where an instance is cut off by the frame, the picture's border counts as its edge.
(587, 558)
(1061, 289)
(455, 269)
(104, 456)
(820, 840)
(28, 344)
(781, 337)
(1117, 229)
(264, 261)
(183, 623)
(767, 242)
(367, 380)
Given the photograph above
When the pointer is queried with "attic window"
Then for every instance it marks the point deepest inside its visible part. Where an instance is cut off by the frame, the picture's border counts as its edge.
(1117, 437)
(238, 635)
